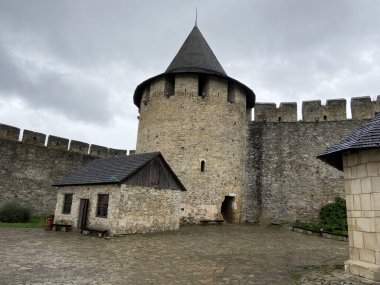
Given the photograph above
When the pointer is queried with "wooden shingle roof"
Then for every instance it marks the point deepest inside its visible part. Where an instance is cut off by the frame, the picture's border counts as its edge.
(112, 170)
(366, 137)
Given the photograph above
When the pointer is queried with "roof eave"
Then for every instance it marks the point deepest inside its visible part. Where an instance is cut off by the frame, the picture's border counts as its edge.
(250, 95)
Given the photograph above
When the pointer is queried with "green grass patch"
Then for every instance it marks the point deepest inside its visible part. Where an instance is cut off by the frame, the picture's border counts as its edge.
(35, 222)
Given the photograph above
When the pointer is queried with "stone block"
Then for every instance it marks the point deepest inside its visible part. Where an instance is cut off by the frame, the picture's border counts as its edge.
(367, 255)
(361, 171)
(370, 241)
(356, 214)
(365, 225)
(353, 172)
(376, 201)
(368, 214)
(356, 187)
(350, 202)
(354, 253)
(375, 184)
(97, 150)
(347, 186)
(377, 257)
(358, 239)
(366, 185)
(363, 269)
(373, 169)
(357, 204)
(365, 202)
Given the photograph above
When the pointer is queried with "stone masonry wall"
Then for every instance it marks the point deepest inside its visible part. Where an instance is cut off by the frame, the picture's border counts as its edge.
(286, 182)
(28, 168)
(188, 129)
(362, 184)
(131, 209)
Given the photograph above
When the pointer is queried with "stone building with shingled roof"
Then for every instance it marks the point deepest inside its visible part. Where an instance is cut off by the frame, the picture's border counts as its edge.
(358, 156)
(133, 194)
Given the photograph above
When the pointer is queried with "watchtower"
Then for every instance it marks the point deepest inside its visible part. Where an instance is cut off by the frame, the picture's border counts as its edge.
(197, 117)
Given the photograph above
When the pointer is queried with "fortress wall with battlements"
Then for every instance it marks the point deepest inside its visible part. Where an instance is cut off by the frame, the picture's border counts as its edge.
(285, 180)
(28, 167)
(314, 111)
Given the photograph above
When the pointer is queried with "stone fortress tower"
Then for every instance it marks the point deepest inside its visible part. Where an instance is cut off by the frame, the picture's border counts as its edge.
(197, 116)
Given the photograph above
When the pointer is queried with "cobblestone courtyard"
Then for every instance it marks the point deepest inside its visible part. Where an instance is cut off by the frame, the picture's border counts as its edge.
(229, 254)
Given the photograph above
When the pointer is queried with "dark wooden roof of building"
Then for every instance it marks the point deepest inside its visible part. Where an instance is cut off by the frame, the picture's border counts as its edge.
(366, 137)
(113, 170)
(195, 56)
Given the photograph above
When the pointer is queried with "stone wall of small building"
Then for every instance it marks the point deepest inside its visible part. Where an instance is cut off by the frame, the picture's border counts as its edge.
(286, 182)
(131, 209)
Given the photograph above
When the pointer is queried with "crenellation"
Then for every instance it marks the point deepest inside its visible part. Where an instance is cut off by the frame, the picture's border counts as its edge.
(268, 112)
(364, 107)
(9, 133)
(314, 111)
(132, 151)
(335, 110)
(79, 147)
(97, 150)
(34, 138)
(58, 142)
(265, 112)
(112, 152)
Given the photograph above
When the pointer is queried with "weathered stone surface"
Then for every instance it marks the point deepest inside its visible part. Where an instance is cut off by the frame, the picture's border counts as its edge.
(228, 254)
(364, 222)
(188, 129)
(131, 209)
(285, 180)
(28, 171)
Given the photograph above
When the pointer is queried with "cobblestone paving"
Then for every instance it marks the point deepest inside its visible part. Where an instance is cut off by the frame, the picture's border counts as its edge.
(229, 254)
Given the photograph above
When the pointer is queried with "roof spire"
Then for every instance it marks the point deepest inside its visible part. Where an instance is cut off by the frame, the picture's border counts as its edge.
(196, 16)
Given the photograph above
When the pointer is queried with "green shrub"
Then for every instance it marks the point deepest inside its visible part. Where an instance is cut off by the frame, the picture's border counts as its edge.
(334, 216)
(14, 212)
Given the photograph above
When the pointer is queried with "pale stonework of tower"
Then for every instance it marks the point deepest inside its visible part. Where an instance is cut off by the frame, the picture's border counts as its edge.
(197, 117)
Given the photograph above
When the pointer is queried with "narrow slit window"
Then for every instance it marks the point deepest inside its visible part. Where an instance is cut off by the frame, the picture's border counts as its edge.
(230, 93)
(169, 85)
(279, 119)
(324, 118)
(202, 86)
(203, 164)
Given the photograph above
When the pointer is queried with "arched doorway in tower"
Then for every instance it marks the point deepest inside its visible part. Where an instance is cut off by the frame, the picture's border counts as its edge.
(227, 209)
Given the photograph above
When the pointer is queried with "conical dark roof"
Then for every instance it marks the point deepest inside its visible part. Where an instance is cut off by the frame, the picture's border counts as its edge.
(195, 55)
(367, 136)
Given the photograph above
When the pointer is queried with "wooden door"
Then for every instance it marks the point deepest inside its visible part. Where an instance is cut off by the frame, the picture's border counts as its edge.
(83, 213)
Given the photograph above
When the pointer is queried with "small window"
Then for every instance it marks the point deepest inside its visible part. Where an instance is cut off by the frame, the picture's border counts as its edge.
(202, 86)
(324, 118)
(169, 85)
(102, 208)
(203, 164)
(67, 202)
(279, 119)
(230, 93)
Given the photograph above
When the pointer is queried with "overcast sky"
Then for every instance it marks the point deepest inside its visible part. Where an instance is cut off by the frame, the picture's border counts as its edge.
(69, 68)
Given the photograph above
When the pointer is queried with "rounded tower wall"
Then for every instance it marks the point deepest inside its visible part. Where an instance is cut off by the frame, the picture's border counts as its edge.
(199, 123)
